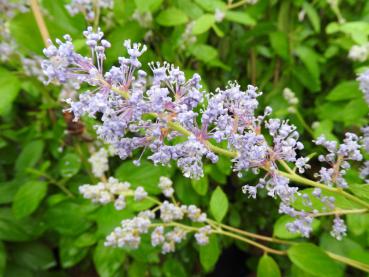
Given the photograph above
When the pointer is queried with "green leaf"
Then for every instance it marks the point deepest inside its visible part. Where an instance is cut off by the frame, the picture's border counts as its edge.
(357, 223)
(9, 189)
(354, 111)
(69, 253)
(211, 5)
(325, 128)
(12, 229)
(240, 17)
(209, 253)
(34, 255)
(67, 218)
(174, 268)
(69, 165)
(107, 260)
(310, 60)
(203, 52)
(29, 156)
(28, 198)
(279, 42)
(313, 260)
(203, 24)
(312, 15)
(146, 175)
(218, 204)
(148, 5)
(201, 185)
(10, 87)
(24, 30)
(2, 258)
(267, 267)
(360, 190)
(344, 91)
(280, 229)
(171, 17)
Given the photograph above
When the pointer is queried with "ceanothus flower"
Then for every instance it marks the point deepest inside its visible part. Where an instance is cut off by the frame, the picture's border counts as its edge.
(88, 7)
(338, 158)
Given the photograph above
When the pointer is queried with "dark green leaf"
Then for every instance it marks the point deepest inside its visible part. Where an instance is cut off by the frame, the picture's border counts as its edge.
(69, 165)
(28, 198)
(107, 260)
(29, 156)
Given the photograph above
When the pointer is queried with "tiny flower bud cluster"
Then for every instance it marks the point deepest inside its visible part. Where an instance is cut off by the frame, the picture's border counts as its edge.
(99, 162)
(112, 191)
(359, 53)
(88, 7)
(291, 99)
(165, 229)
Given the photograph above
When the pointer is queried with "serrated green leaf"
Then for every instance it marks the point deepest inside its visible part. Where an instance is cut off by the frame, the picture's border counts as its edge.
(28, 198)
(218, 204)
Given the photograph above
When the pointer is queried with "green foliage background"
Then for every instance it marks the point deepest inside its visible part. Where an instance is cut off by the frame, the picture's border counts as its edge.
(47, 229)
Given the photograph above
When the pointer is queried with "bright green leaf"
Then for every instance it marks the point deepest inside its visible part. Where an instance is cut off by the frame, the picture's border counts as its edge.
(203, 24)
(240, 17)
(344, 91)
(313, 260)
(312, 15)
(267, 267)
(218, 204)
(148, 5)
(209, 253)
(279, 42)
(171, 17)
(10, 87)
(200, 185)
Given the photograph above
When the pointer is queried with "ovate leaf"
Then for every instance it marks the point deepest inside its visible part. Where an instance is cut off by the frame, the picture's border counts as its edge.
(203, 24)
(344, 91)
(171, 17)
(69, 165)
(209, 253)
(10, 87)
(148, 5)
(28, 198)
(313, 260)
(267, 267)
(240, 17)
(107, 260)
(218, 204)
(29, 156)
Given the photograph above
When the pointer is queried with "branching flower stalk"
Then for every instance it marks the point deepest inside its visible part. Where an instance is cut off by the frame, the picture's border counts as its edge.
(166, 116)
